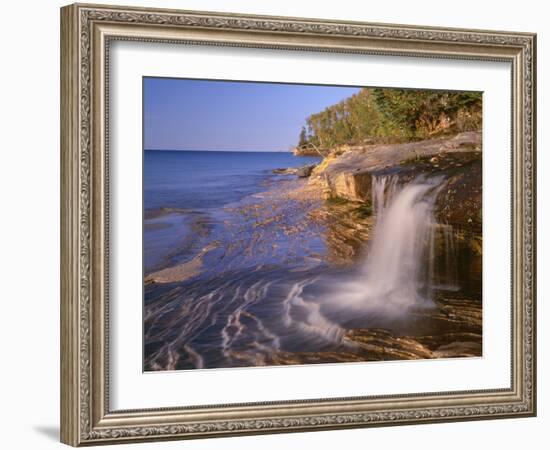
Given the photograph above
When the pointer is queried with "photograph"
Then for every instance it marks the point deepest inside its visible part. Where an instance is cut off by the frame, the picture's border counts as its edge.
(297, 224)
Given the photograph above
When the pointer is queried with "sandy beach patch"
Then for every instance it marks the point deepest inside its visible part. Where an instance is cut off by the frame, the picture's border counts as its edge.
(183, 271)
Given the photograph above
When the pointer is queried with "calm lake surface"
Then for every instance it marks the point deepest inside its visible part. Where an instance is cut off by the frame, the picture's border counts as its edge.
(183, 187)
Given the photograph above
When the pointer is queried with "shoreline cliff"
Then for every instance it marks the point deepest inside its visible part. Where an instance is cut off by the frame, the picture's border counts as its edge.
(348, 174)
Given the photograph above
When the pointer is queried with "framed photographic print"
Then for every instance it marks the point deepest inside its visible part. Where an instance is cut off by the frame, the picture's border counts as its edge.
(277, 224)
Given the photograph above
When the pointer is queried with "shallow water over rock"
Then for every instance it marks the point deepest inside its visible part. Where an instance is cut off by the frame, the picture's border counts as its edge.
(293, 279)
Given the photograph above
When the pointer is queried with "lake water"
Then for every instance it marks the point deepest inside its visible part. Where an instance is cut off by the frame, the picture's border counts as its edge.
(185, 191)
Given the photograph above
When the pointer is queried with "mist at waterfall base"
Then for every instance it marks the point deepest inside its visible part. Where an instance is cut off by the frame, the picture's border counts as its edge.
(398, 273)
(261, 294)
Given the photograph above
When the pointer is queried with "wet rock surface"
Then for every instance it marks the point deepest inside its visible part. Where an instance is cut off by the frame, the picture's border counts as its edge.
(300, 172)
(453, 329)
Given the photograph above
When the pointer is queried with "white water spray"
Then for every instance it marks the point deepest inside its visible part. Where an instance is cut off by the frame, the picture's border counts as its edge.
(383, 190)
(396, 270)
(399, 272)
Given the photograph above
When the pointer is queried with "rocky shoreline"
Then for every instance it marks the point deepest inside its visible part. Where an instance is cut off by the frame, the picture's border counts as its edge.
(451, 330)
(345, 181)
(336, 195)
(345, 178)
(315, 222)
(348, 175)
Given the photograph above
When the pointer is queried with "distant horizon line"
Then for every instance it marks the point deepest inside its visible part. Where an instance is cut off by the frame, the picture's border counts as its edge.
(220, 151)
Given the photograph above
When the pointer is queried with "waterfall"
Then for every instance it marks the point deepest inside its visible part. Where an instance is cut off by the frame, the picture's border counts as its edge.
(383, 191)
(397, 268)
(409, 256)
(445, 267)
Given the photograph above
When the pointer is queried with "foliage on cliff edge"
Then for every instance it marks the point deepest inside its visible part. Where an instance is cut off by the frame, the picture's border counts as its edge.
(392, 115)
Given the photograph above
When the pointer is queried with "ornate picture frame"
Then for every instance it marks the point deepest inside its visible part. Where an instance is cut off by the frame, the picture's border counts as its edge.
(87, 32)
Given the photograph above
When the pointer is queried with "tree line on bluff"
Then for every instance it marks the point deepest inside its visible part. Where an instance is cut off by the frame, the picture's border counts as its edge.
(375, 115)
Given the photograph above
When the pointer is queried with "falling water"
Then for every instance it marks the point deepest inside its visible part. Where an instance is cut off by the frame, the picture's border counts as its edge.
(383, 191)
(395, 268)
(443, 258)
(403, 265)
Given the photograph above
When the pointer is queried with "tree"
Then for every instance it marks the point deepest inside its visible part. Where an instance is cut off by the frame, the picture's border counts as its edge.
(302, 141)
(392, 113)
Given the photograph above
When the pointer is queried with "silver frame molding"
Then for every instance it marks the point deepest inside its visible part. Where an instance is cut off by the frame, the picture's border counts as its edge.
(86, 33)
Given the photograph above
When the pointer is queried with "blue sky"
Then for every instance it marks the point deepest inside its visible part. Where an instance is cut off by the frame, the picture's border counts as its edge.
(182, 114)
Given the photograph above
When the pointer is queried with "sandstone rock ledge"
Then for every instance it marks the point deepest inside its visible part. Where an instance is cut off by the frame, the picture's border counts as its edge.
(457, 159)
